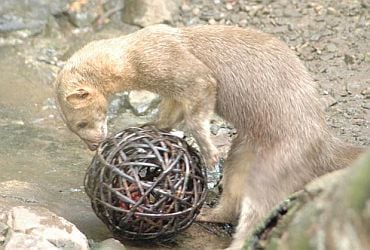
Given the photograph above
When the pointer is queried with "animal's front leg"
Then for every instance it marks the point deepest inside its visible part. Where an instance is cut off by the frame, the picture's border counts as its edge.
(197, 116)
(170, 114)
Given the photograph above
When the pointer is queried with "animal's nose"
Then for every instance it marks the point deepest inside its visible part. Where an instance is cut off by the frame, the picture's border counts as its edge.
(92, 145)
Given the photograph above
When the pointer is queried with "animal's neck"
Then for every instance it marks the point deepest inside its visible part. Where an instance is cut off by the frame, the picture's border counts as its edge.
(117, 72)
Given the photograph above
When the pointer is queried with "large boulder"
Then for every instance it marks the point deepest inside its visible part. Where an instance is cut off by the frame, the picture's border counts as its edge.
(38, 228)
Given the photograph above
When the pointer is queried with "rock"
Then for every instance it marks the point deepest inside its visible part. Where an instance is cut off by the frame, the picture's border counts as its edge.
(332, 11)
(118, 103)
(27, 17)
(329, 101)
(3, 232)
(367, 57)
(196, 11)
(348, 59)
(142, 102)
(366, 92)
(109, 244)
(229, 6)
(147, 12)
(83, 13)
(38, 228)
(331, 47)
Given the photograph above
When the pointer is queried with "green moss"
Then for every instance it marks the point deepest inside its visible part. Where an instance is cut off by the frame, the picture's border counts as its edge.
(358, 189)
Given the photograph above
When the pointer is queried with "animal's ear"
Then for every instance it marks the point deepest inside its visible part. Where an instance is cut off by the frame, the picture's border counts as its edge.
(80, 98)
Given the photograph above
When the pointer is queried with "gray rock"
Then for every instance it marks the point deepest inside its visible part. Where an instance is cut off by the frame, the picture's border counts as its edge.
(38, 228)
(83, 14)
(142, 102)
(28, 17)
(109, 244)
(147, 12)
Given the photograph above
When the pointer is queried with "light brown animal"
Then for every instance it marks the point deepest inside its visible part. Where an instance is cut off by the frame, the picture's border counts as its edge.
(249, 78)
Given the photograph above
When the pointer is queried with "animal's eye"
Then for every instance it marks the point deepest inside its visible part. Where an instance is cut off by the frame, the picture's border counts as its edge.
(82, 124)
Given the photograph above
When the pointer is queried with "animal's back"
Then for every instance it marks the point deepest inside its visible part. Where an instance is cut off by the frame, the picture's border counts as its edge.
(262, 86)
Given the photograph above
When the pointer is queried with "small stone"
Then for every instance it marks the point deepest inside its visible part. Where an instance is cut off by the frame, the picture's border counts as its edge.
(218, 15)
(186, 7)
(229, 6)
(147, 12)
(234, 18)
(212, 21)
(367, 57)
(109, 244)
(243, 23)
(315, 37)
(332, 11)
(366, 92)
(83, 13)
(329, 101)
(196, 11)
(214, 129)
(348, 59)
(366, 105)
(331, 47)
(3, 231)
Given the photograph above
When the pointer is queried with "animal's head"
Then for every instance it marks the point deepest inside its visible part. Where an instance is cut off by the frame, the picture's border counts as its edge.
(82, 87)
(82, 104)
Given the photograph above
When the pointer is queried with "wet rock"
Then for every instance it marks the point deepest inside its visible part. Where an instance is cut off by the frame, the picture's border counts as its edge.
(142, 102)
(41, 229)
(147, 12)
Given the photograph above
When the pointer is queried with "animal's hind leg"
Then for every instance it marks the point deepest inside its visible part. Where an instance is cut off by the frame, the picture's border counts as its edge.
(274, 174)
(234, 182)
(249, 216)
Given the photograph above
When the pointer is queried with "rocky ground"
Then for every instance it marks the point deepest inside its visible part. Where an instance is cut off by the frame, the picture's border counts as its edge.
(38, 36)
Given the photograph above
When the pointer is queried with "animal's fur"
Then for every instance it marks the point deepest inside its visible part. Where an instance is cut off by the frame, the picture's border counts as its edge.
(249, 78)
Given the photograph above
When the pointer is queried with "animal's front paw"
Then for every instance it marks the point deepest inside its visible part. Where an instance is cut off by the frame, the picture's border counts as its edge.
(212, 215)
(212, 160)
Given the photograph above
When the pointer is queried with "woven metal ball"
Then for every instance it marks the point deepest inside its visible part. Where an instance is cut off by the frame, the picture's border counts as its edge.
(145, 183)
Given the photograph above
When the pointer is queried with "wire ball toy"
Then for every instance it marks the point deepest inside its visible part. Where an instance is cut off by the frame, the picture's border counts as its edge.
(144, 183)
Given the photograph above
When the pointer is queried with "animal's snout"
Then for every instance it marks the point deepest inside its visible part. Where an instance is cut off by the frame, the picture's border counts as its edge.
(92, 145)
